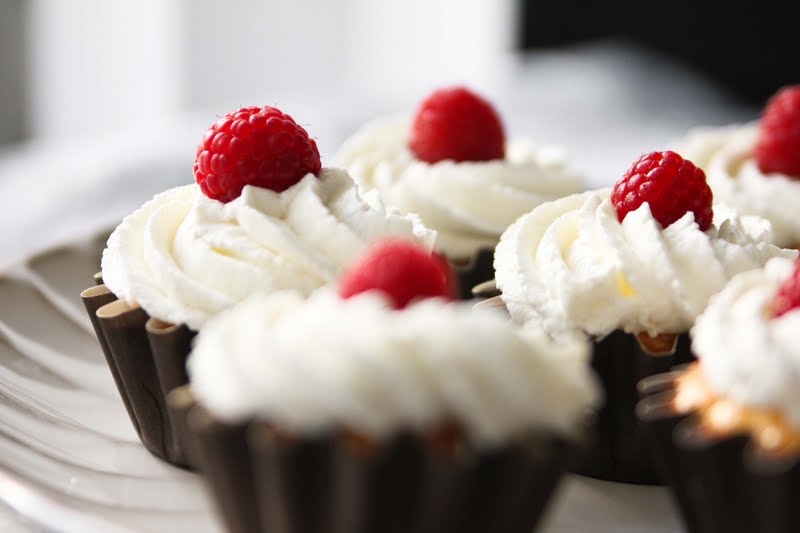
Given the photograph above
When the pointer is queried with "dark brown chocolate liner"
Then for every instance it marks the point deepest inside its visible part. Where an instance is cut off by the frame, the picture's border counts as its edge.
(293, 482)
(329, 484)
(618, 452)
(180, 402)
(123, 330)
(502, 490)
(720, 484)
(774, 484)
(486, 289)
(479, 268)
(221, 455)
(93, 299)
(146, 359)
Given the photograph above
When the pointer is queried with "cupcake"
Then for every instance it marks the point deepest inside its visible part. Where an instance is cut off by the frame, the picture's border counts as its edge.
(630, 269)
(755, 168)
(451, 164)
(725, 431)
(382, 411)
(263, 216)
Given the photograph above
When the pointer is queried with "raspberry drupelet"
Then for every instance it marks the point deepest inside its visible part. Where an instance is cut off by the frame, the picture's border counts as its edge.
(457, 124)
(778, 146)
(402, 271)
(258, 146)
(788, 295)
(670, 184)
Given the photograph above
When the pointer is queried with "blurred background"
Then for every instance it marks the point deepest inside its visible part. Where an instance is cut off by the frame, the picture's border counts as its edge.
(102, 102)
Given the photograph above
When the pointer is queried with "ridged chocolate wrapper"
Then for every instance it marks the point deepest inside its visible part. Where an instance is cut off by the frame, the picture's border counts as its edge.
(720, 484)
(620, 361)
(147, 359)
(478, 268)
(264, 481)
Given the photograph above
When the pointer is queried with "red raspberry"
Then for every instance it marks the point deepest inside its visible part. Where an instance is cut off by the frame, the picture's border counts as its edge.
(451, 279)
(788, 295)
(670, 184)
(402, 270)
(457, 124)
(778, 146)
(254, 146)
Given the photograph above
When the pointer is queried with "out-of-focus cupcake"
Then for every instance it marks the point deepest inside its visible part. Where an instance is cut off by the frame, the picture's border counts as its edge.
(630, 269)
(451, 164)
(755, 168)
(725, 431)
(382, 411)
(263, 216)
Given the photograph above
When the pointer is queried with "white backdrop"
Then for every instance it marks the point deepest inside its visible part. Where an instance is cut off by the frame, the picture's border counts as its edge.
(97, 65)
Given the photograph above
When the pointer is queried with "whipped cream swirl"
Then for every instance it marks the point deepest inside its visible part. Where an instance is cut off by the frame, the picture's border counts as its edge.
(747, 356)
(726, 155)
(468, 203)
(327, 363)
(573, 266)
(184, 257)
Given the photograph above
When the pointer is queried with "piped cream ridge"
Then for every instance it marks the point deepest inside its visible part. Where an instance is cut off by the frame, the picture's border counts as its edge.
(469, 204)
(184, 257)
(571, 265)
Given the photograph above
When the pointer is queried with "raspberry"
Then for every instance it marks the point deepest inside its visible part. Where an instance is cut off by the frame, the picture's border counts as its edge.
(670, 184)
(788, 295)
(254, 146)
(778, 146)
(402, 270)
(457, 124)
(451, 279)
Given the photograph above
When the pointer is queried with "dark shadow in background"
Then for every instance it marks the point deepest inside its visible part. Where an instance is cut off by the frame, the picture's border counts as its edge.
(750, 47)
(12, 71)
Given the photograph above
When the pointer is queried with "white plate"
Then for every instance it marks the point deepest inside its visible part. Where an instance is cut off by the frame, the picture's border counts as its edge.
(70, 459)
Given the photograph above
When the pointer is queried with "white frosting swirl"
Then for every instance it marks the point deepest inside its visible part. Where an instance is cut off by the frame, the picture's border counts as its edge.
(747, 356)
(573, 266)
(726, 155)
(184, 257)
(326, 363)
(469, 204)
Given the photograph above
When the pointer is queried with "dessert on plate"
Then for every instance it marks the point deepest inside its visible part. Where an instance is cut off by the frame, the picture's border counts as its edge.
(383, 407)
(725, 431)
(755, 168)
(630, 269)
(452, 165)
(264, 215)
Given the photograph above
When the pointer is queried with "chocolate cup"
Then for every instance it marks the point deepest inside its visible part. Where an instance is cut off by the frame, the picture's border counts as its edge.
(93, 299)
(221, 455)
(486, 289)
(263, 481)
(477, 269)
(620, 361)
(180, 402)
(147, 360)
(719, 483)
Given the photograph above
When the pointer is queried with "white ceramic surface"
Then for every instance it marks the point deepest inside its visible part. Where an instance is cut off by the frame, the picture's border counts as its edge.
(71, 461)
